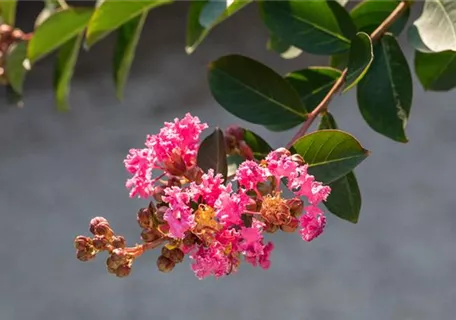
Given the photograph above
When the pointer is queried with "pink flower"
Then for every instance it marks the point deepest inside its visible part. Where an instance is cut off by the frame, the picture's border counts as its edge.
(179, 215)
(255, 252)
(280, 164)
(209, 189)
(229, 206)
(176, 145)
(180, 137)
(304, 184)
(220, 258)
(139, 163)
(249, 174)
(312, 223)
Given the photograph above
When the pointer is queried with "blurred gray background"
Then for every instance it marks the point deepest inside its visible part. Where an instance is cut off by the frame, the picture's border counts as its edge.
(60, 169)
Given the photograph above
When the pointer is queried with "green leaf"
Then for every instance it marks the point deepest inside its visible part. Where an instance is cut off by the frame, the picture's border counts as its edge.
(8, 11)
(111, 14)
(385, 93)
(313, 84)
(15, 66)
(57, 30)
(435, 29)
(285, 50)
(330, 154)
(233, 162)
(339, 61)
(66, 61)
(203, 16)
(212, 153)
(124, 51)
(259, 146)
(254, 92)
(436, 71)
(369, 14)
(318, 27)
(344, 200)
(359, 60)
(50, 7)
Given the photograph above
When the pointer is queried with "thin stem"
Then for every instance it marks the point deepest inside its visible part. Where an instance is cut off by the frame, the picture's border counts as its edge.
(63, 4)
(322, 106)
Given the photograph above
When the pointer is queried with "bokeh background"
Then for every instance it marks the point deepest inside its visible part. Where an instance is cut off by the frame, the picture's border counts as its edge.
(60, 169)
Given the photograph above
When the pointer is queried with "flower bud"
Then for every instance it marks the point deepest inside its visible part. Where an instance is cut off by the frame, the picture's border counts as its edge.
(82, 243)
(245, 150)
(235, 131)
(283, 151)
(17, 34)
(230, 144)
(150, 235)
(103, 229)
(252, 205)
(164, 264)
(5, 29)
(175, 165)
(119, 256)
(174, 182)
(296, 206)
(85, 255)
(159, 215)
(95, 221)
(123, 270)
(144, 218)
(175, 255)
(270, 228)
(195, 174)
(297, 158)
(100, 242)
(118, 242)
(158, 193)
(291, 226)
(190, 239)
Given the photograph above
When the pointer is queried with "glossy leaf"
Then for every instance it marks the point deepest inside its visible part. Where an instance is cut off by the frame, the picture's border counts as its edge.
(313, 84)
(318, 27)
(369, 14)
(57, 30)
(385, 93)
(359, 59)
(283, 48)
(124, 51)
(344, 200)
(259, 146)
(203, 16)
(436, 71)
(8, 11)
(339, 61)
(15, 66)
(330, 154)
(64, 69)
(435, 29)
(212, 153)
(111, 14)
(254, 92)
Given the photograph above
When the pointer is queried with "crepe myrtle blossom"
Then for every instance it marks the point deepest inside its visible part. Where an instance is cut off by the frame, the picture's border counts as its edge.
(217, 223)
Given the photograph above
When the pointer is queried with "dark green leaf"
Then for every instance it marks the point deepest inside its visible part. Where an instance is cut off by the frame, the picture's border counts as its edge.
(260, 148)
(15, 66)
(435, 29)
(285, 50)
(385, 93)
(13, 98)
(8, 11)
(124, 51)
(330, 154)
(111, 14)
(57, 30)
(436, 71)
(318, 27)
(254, 92)
(339, 61)
(212, 153)
(313, 84)
(359, 59)
(66, 61)
(369, 14)
(203, 16)
(344, 200)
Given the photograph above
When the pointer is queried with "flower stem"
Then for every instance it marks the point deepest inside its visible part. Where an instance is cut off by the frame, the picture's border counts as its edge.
(322, 106)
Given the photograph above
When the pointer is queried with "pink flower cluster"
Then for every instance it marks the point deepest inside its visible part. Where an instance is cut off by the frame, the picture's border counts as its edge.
(217, 222)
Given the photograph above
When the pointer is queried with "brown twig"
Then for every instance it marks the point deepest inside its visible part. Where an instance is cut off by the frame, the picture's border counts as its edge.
(375, 35)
